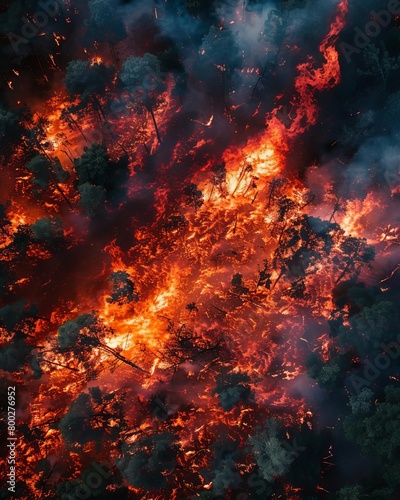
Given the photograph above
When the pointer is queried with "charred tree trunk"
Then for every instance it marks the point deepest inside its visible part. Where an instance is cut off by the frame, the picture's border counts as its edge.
(120, 357)
(113, 54)
(59, 364)
(150, 109)
(277, 279)
(54, 182)
(350, 262)
(56, 185)
(78, 127)
(259, 80)
(98, 106)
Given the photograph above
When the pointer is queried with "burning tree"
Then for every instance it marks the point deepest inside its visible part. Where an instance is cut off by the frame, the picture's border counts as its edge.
(15, 354)
(123, 289)
(46, 172)
(85, 335)
(93, 417)
(194, 196)
(100, 179)
(148, 462)
(88, 82)
(142, 77)
(355, 252)
(232, 388)
(184, 344)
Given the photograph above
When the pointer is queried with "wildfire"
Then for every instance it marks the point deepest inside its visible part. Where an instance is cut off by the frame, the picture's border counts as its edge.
(221, 257)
